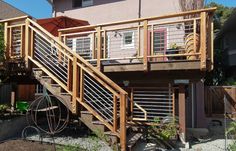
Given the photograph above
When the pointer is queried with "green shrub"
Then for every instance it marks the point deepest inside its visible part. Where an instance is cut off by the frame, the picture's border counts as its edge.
(164, 131)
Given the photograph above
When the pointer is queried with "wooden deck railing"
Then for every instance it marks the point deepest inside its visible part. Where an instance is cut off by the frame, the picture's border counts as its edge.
(26, 40)
(178, 37)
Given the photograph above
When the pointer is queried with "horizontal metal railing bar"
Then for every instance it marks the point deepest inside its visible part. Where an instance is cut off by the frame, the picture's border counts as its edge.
(156, 110)
(98, 103)
(110, 105)
(38, 32)
(175, 55)
(49, 68)
(98, 110)
(51, 54)
(106, 91)
(150, 102)
(167, 95)
(107, 86)
(155, 105)
(143, 98)
(49, 60)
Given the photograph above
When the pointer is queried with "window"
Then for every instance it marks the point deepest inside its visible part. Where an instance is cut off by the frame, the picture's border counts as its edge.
(128, 40)
(82, 3)
(39, 89)
(159, 41)
(81, 45)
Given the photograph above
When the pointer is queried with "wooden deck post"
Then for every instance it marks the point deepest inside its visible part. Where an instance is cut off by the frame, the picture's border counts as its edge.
(75, 87)
(182, 112)
(145, 45)
(203, 38)
(99, 47)
(123, 121)
(6, 39)
(27, 42)
(59, 52)
(114, 113)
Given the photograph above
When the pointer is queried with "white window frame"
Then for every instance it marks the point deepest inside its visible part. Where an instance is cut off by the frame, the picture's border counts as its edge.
(74, 41)
(127, 46)
(86, 3)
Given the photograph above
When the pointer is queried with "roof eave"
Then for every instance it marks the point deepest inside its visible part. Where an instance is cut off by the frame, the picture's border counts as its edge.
(50, 2)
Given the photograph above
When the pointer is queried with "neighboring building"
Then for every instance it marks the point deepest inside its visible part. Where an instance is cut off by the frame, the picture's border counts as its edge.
(103, 11)
(226, 41)
(9, 11)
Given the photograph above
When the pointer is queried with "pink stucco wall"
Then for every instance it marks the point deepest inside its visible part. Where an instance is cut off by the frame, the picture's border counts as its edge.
(116, 10)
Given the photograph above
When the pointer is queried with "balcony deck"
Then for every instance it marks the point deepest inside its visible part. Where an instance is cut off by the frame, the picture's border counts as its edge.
(180, 41)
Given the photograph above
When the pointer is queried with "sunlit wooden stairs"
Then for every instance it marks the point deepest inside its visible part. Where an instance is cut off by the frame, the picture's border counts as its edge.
(86, 117)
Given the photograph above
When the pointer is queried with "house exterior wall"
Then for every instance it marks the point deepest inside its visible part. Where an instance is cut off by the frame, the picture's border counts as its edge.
(104, 11)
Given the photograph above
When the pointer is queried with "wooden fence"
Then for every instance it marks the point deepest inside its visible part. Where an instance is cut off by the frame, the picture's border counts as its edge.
(214, 100)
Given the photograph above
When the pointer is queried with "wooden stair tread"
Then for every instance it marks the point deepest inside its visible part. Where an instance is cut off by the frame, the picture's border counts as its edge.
(133, 139)
(85, 112)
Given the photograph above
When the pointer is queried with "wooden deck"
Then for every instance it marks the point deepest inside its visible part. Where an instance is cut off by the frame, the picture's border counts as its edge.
(156, 66)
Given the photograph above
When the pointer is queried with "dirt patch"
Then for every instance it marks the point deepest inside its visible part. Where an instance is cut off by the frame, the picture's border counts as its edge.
(20, 145)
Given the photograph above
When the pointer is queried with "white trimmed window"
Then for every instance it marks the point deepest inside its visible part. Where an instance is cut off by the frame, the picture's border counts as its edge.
(81, 3)
(128, 40)
(38, 89)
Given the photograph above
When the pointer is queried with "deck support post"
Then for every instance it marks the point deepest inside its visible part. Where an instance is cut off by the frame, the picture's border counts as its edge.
(27, 42)
(203, 48)
(59, 52)
(99, 47)
(123, 121)
(75, 87)
(145, 45)
(6, 40)
(182, 112)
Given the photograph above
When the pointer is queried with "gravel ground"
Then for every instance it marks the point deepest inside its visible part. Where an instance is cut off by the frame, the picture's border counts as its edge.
(89, 143)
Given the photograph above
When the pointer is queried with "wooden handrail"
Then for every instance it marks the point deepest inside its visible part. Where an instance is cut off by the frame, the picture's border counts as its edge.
(143, 110)
(80, 59)
(74, 29)
(14, 19)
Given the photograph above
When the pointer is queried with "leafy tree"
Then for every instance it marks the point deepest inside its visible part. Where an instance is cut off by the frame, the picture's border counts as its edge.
(1, 43)
(217, 76)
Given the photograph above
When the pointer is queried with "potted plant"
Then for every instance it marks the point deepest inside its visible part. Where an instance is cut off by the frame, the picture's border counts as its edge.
(173, 49)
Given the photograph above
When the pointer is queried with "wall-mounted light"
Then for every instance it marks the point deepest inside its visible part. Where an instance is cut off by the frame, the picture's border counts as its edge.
(126, 83)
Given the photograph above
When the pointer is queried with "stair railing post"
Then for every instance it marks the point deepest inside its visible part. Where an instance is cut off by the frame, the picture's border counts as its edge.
(123, 98)
(99, 47)
(6, 37)
(27, 42)
(70, 74)
(59, 52)
(203, 41)
(75, 86)
(145, 45)
(81, 85)
(114, 113)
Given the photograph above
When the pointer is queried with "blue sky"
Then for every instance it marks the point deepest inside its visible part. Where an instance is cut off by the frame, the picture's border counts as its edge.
(42, 9)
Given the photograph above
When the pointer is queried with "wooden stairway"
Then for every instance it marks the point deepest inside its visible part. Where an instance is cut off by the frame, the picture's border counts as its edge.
(73, 80)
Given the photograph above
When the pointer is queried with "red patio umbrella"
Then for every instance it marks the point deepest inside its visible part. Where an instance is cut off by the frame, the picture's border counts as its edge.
(52, 25)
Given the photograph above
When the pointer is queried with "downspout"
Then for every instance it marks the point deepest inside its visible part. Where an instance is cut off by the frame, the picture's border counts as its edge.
(139, 8)
(193, 105)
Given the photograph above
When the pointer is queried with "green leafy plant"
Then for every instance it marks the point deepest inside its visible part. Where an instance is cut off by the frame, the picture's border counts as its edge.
(2, 46)
(174, 46)
(231, 131)
(3, 108)
(164, 131)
